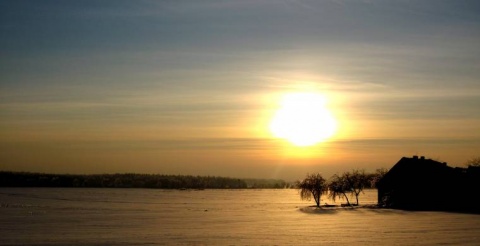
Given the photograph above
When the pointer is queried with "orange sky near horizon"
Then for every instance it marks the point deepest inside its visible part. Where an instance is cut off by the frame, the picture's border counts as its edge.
(193, 87)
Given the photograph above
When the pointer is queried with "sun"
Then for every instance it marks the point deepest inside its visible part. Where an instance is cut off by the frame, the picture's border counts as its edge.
(303, 119)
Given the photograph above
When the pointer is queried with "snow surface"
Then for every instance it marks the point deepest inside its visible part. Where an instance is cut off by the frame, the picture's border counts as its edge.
(64, 216)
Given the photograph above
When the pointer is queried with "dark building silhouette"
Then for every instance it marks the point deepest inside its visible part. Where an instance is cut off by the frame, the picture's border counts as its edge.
(424, 184)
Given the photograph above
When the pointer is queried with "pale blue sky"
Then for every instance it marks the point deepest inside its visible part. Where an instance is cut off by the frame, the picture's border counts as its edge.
(183, 86)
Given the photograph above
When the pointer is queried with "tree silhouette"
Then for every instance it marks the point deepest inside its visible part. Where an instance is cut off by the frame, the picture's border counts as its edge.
(375, 177)
(338, 187)
(474, 162)
(356, 181)
(314, 185)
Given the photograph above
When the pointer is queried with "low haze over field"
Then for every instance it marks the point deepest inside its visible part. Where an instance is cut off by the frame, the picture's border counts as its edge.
(269, 89)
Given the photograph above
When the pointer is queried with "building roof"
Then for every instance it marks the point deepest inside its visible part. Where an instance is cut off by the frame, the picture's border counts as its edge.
(420, 183)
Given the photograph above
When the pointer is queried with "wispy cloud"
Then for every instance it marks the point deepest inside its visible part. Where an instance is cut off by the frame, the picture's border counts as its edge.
(158, 77)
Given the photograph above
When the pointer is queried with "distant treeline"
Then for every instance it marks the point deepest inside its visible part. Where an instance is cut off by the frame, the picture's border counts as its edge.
(132, 180)
(268, 183)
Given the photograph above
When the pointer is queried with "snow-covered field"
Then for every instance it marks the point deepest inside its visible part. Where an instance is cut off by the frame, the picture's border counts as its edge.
(63, 216)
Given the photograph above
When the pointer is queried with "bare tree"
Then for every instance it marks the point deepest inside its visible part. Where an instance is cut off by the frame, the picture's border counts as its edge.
(375, 177)
(314, 185)
(356, 181)
(337, 187)
(474, 162)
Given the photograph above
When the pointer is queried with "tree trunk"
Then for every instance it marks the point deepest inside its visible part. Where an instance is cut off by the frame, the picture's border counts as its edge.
(346, 197)
(316, 198)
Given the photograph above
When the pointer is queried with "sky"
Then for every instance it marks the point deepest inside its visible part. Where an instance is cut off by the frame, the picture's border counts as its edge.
(191, 87)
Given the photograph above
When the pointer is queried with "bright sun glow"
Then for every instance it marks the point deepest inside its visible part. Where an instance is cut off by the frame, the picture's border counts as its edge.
(303, 119)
